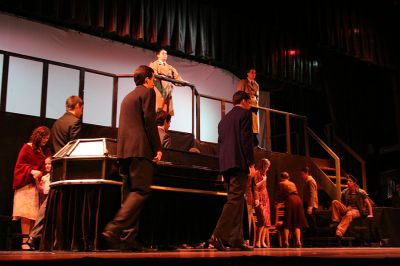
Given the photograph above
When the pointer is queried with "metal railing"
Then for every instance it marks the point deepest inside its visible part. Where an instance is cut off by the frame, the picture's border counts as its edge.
(196, 106)
(196, 96)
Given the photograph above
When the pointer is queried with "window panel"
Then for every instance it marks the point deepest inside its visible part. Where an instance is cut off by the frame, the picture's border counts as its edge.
(24, 86)
(1, 70)
(63, 82)
(182, 100)
(98, 99)
(125, 86)
(210, 115)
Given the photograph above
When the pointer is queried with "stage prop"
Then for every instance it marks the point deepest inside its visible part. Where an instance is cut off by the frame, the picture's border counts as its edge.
(188, 195)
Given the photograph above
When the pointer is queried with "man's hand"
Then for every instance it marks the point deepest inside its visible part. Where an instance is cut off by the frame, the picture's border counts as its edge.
(158, 157)
(309, 210)
(256, 202)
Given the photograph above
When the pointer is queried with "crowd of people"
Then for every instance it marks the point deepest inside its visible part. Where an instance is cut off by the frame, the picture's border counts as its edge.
(145, 117)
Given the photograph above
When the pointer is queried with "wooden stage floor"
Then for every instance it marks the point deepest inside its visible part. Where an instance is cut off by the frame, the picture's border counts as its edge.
(274, 256)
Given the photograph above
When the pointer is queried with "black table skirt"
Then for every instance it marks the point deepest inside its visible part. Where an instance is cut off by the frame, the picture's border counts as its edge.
(77, 214)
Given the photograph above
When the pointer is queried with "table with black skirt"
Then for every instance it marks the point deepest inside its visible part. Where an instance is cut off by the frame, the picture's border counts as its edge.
(77, 212)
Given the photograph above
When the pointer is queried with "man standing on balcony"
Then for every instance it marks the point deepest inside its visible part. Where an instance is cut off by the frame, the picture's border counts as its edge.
(164, 88)
(251, 86)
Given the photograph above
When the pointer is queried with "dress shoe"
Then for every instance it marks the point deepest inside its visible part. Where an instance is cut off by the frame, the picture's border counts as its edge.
(113, 240)
(298, 245)
(217, 243)
(246, 248)
(32, 243)
(333, 225)
(134, 246)
(339, 234)
(285, 245)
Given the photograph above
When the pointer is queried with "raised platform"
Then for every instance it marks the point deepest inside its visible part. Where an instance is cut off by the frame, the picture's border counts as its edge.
(193, 257)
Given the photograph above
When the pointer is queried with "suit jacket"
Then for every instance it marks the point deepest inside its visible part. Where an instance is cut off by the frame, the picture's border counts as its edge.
(137, 133)
(310, 193)
(65, 129)
(165, 138)
(235, 140)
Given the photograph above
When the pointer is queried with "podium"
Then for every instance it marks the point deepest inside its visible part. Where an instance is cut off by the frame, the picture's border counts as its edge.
(85, 159)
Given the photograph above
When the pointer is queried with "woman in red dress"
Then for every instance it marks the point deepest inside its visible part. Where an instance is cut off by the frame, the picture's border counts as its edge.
(261, 203)
(28, 172)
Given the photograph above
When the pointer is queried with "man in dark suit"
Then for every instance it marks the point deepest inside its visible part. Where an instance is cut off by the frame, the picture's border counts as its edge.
(163, 120)
(68, 126)
(138, 147)
(236, 160)
(65, 129)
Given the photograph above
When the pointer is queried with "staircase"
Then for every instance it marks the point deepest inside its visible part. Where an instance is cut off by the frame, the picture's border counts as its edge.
(328, 168)
(332, 175)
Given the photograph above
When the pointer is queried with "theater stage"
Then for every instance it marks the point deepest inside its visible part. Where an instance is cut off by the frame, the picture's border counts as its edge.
(273, 256)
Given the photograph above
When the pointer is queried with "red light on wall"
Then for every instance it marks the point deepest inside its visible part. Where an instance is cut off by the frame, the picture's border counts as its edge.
(292, 52)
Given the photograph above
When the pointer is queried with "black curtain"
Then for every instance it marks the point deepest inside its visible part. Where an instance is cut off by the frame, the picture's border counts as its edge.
(281, 39)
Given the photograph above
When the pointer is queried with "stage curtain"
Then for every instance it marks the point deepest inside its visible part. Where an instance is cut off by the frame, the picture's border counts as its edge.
(284, 40)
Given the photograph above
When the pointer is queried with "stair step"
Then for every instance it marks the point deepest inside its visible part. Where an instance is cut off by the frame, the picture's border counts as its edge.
(327, 168)
(342, 178)
(322, 162)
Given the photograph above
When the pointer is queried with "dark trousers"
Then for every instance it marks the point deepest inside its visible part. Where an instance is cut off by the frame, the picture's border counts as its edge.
(311, 219)
(230, 224)
(37, 229)
(137, 174)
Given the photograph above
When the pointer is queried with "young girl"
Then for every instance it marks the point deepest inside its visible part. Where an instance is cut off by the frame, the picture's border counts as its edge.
(261, 203)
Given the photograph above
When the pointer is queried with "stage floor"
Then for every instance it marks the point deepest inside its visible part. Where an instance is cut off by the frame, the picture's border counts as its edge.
(281, 256)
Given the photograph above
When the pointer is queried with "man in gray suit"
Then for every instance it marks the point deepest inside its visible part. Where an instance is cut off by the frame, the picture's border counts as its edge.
(138, 148)
(236, 160)
(68, 126)
(65, 129)
(163, 120)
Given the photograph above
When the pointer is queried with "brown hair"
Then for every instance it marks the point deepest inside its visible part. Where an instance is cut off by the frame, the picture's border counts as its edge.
(72, 101)
(284, 175)
(37, 136)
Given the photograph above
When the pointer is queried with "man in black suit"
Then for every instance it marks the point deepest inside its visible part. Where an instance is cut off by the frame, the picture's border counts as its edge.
(68, 126)
(65, 129)
(137, 149)
(163, 120)
(236, 160)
